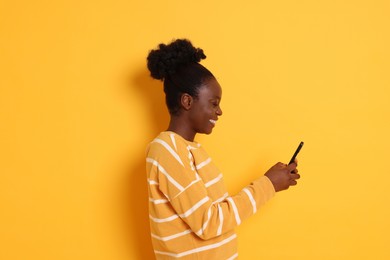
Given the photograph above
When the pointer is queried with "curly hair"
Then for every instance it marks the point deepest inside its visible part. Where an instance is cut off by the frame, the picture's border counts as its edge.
(177, 65)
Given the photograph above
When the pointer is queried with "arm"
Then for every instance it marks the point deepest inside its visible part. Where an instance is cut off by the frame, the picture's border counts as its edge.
(188, 195)
(208, 219)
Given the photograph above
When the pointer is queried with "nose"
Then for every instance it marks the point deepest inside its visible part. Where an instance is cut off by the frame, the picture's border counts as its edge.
(219, 111)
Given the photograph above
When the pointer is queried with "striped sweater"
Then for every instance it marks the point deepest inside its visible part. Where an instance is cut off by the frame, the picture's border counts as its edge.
(192, 216)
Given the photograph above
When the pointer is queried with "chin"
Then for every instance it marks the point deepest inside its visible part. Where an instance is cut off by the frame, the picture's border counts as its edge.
(206, 130)
(209, 131)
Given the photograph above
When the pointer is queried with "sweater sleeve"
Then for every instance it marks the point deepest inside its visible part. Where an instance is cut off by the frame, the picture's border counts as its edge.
(208, 219)
(186, 192)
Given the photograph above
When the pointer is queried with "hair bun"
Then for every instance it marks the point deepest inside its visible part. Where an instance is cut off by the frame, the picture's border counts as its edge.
(166, 59)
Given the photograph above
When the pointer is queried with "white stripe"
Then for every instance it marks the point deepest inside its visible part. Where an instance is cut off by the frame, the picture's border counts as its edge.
(160, 201)
(199, 249)
(174, 154)
(161, 169)
(189, 185)
(193, 182)
(190, 158)
(202, 164)
(219, 231)
(189, 147)
(233, 256)
(235, 210)
(221, 198)
(200, 232)
(184, 215)
(161, 220)
(251, 199)
(167, 238)
(195, 207)
(213, 181)
(173, 140)
(152, 182)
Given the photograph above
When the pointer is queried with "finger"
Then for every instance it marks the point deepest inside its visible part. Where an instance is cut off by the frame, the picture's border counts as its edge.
(291, 167)
(295, 171)
(295, 176)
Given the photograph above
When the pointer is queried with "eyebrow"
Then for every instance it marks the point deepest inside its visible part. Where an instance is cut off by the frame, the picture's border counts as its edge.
(215, 99)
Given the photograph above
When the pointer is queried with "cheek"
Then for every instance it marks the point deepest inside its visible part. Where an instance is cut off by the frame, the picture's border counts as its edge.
(208, 112)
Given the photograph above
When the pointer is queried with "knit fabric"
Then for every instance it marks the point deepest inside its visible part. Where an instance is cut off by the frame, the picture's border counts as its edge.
(192, 216)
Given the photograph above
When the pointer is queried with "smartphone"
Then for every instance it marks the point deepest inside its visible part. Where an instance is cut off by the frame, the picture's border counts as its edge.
(296, 153)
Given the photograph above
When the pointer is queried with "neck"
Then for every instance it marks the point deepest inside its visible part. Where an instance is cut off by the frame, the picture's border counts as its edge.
(181, 127)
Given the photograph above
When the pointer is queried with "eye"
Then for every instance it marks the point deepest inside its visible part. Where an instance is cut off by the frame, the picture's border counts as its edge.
(215, 103)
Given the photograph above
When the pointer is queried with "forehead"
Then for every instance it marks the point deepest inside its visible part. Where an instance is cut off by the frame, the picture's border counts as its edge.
(211, 89)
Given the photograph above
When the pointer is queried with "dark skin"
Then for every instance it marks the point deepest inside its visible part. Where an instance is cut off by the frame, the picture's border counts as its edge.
(199, 115)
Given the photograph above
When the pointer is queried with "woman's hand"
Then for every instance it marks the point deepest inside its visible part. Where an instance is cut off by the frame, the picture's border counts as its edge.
(283, 176)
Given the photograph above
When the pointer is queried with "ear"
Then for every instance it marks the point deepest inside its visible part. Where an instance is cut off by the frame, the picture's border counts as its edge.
(186, 101)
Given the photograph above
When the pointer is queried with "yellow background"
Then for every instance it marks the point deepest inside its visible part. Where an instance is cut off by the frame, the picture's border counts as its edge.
(77, 108)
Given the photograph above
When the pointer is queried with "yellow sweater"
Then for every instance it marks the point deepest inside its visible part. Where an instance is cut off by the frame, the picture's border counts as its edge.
(191, 214)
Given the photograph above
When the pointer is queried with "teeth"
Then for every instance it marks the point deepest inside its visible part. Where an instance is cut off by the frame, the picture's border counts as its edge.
(212, 121)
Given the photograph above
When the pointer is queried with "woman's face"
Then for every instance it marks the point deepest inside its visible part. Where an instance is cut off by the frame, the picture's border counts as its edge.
(205, 109)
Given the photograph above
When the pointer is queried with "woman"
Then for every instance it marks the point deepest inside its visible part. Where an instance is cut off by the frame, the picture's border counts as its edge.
(191, 214)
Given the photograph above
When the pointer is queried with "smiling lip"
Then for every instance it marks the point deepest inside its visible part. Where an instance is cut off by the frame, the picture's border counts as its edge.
(213, 121)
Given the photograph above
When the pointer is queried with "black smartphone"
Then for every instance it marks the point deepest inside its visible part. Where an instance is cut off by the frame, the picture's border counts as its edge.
(296, 153)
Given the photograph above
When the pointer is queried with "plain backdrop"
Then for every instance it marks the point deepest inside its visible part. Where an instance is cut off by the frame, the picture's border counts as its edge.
(77, 109)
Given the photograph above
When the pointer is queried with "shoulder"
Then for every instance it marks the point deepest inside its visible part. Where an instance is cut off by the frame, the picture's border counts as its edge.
(170, 142)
